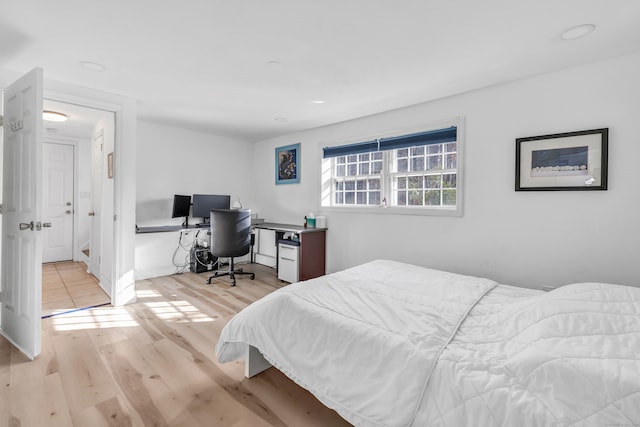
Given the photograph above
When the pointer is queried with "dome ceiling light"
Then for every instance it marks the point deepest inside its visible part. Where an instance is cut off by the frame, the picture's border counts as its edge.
(577, 32)
(92, 66)
(54, 116)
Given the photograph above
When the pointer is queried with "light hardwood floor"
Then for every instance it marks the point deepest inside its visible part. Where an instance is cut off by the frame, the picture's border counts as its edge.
(152, 363)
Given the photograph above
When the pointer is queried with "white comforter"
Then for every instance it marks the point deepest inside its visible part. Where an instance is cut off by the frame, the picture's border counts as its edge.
(570, 357)
(389, 344)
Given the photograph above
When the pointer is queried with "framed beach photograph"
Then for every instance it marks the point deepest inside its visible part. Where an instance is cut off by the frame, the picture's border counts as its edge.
(288, 164)
(562, 161)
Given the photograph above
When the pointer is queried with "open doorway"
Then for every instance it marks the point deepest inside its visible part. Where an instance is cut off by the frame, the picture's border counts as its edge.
(77, 199)
(21, 269)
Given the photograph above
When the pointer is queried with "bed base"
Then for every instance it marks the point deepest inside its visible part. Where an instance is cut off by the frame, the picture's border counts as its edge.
(254, 362)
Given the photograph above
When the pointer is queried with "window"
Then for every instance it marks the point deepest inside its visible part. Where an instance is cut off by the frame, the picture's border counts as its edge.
(358, 179)
(424, 175)
(417, 172)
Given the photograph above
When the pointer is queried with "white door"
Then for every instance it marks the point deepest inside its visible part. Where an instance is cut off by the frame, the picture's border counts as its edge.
(96, 204)
(21, 297)
(57, 203)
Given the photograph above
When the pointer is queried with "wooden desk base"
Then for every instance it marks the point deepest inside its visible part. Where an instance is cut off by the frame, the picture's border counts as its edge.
(312, 255)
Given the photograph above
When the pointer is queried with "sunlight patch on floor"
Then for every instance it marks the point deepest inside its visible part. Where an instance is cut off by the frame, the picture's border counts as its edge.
(147, 293)
(172, 310)
(97, 318)
(119, 317)
(180, 311)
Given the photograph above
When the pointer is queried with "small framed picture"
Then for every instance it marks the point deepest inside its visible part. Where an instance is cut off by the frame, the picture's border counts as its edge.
(288, 164)
(563, 161)
(110, 165)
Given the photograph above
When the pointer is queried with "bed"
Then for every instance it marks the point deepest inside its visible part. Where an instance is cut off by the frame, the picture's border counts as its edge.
(393, 344)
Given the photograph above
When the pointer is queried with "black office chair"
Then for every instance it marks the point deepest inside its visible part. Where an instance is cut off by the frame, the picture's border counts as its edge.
(230, 237)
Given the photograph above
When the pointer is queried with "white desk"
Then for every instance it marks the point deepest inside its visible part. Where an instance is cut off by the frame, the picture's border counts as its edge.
(156, 248)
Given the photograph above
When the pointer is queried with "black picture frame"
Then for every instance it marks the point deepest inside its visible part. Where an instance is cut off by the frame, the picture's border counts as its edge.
(571, 161)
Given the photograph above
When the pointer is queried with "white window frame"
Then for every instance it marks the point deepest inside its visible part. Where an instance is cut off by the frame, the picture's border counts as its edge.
(328, 166)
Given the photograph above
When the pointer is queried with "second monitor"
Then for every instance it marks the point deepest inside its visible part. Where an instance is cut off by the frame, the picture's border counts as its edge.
(181, 207)
(203, 203)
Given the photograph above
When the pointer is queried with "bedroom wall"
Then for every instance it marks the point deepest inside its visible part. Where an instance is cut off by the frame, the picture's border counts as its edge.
(172, 161)
(179, 161)
(528, 239)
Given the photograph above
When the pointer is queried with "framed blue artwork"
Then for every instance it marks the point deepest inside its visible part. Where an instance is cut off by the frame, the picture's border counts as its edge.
(288, 164)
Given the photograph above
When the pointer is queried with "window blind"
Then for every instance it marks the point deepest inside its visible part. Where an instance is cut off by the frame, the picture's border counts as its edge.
(431, 137)
(437, 136)
(345, 150)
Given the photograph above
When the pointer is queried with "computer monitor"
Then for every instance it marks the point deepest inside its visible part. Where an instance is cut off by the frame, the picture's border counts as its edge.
(181, 206)
(203, 203)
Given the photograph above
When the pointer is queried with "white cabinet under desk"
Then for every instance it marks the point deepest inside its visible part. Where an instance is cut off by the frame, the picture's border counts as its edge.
(304, 262)
(265, 250)
(288, 265)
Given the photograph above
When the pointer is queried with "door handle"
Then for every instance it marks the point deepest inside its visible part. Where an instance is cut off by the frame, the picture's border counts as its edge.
(68, 212)
(40, 226)
(68, 203)
(26, 226)
(92, 213)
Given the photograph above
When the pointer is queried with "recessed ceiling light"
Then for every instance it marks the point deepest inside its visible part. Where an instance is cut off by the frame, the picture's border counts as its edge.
(577, 32)
(92, 66)
(54, 116)
(317, 101)
(281, 119)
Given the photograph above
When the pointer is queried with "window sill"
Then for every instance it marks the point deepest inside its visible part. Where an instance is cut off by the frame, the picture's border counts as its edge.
(378, 210)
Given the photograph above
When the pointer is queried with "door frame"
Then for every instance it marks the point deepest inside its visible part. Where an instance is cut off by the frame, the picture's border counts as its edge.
(124, 109)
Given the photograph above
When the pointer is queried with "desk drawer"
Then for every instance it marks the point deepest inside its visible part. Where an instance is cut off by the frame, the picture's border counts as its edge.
(288, 263)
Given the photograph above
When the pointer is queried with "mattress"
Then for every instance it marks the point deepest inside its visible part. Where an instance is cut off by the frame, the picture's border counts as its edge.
(391, 344)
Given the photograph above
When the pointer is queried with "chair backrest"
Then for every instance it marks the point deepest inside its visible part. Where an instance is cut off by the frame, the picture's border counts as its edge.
(230, 232)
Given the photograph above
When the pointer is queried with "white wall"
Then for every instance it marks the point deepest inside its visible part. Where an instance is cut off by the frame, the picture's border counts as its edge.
(522, 238)
(177, 161)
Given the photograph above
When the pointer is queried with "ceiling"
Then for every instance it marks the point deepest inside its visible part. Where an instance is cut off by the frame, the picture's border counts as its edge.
(256, 69)
(81, 120)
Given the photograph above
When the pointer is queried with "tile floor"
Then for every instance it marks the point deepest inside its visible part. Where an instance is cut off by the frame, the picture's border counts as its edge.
(67, 286)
